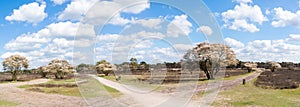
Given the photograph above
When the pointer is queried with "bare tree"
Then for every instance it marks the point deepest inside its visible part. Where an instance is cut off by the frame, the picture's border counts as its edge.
(250, 66)
(211, 57)
(14, 64)
(274, 65)
(60, 68)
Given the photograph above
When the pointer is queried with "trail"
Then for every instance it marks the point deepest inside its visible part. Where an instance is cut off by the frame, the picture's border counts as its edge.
(175, 98)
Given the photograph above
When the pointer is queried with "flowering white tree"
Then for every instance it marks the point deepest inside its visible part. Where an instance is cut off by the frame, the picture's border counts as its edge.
(43, 71)
(60, 68)
(250, 66)
(211, 57)
(105, 67)
(274, 65)
(14, 64)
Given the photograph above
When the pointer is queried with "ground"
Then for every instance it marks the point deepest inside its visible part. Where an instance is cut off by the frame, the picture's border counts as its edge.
(280, 79)
(106, 91)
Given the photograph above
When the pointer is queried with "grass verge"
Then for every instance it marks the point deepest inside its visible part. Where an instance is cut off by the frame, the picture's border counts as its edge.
(4, 103)
(250, 95)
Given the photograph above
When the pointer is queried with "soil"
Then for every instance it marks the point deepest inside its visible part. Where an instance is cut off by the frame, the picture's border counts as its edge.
(280, 79)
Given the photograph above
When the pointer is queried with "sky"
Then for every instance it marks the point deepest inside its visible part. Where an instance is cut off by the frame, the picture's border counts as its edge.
(86, 31)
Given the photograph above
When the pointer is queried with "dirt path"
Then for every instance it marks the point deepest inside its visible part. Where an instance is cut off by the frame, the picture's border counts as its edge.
(10, 92)
(175, 98)
(150, 99)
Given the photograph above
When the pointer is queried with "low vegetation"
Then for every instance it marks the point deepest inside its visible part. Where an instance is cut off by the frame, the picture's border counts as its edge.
(63, 87)
(281, 79)
(250, 95)
(4, 103)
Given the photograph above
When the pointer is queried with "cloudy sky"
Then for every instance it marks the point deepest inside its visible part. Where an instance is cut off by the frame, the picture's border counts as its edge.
(42, 30)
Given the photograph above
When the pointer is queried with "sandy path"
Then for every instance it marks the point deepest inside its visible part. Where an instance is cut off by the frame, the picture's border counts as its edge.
(10, 92)
(176, 98)
(150, 99)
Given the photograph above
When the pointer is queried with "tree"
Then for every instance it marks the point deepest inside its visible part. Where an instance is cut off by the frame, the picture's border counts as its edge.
(85, 68)
(250, 66)
(14, 64)
(105, 67)
(133, 64)
(60, 68)
(211, 57)
(144, 66)
(100, 62)
(43, 71)
(274, 65)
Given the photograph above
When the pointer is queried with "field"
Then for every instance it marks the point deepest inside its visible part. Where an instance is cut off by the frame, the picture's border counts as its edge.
(280, 79)
(251, 96)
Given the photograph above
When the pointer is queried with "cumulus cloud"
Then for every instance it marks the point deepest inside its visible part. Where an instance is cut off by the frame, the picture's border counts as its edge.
(206, 30)
(149, 23)
(233, 43)
(137, 8)
(31, 13)
(70, 29)
(284, 18)
(244, 17)
(267, 50)
(179, 26)
(97, 12)
(59, 2)
(243, 1)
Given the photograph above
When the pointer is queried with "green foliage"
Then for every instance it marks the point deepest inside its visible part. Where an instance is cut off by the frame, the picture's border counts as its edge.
(4, 103)
(101, 62)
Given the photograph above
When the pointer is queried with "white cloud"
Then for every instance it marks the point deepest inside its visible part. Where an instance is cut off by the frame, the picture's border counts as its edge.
(206, 30)
(59, 2)
(179, 26)
(29, 41)
(69, 29)
(150, 23)
(294, 37)
(268, 50)
(284, 18)
(118, 20)
(76, 9)
(243, 1)
(244, 17)
(32, 13)
(242, 24)
(97, 12)
(233, 43)
(137, 8)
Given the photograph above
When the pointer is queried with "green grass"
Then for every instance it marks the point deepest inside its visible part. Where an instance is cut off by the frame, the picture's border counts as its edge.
(7, 103)
(93, 88)
(250, 95)
(68, 91)
(238, 76)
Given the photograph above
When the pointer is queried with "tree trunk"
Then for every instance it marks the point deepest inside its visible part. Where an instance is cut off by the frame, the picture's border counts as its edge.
(272, 69)
(249, 70)
(208, 75)
(14, 75)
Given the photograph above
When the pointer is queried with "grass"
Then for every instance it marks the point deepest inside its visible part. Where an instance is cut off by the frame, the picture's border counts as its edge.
(250, 95)
(68, 91)
(93, 88)
(7, 103)
(238, 76)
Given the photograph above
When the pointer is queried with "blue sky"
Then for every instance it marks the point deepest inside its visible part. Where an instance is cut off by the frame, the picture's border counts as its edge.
(257, 30)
